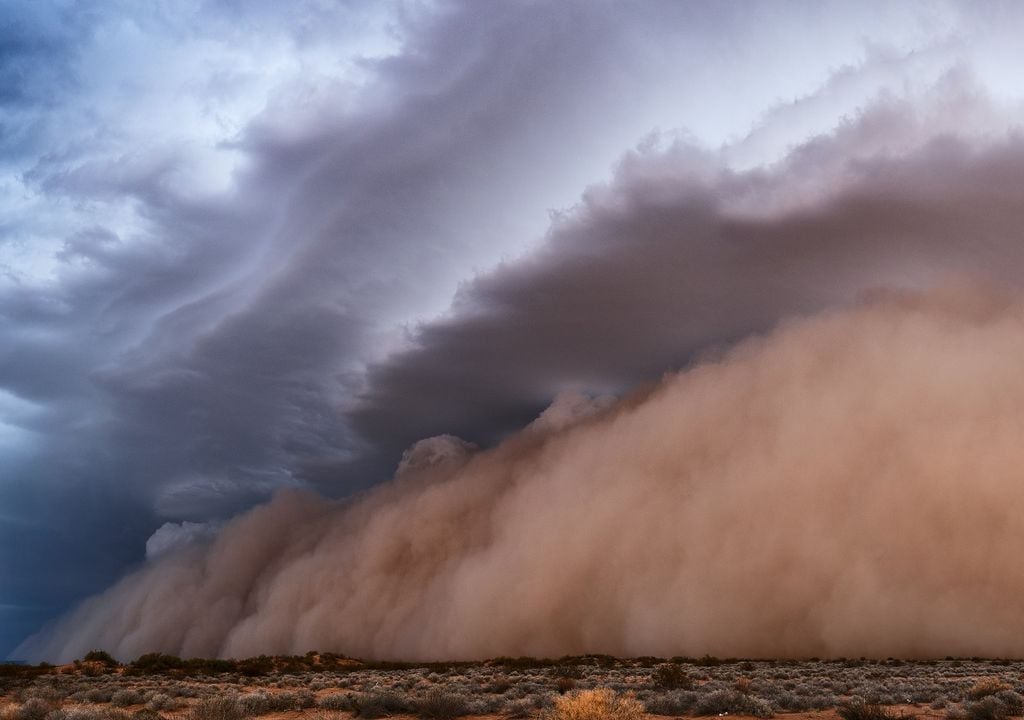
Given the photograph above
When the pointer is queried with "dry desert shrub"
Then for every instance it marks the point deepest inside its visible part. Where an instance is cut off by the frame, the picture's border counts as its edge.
(378, 704)
(998, 706)
(335, 701)
(34, 709)
(673, 676)
(599, 704)
(126, 697)
(565, 684)
(867, 711)
(723, 702)
(743, 685)
(216, 708)
(985, 687)
(83, 713)
(441, 705)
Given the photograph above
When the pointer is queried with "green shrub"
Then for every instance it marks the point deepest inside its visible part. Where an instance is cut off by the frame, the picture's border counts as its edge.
(100, 656)
(153, 663)
(672, 676)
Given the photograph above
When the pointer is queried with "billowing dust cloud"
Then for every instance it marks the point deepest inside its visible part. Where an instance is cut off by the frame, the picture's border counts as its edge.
(851, 484)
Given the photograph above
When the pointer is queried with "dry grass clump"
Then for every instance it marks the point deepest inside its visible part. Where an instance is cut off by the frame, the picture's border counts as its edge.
(599, 704)
(215, 708)
(985, 687)
(34, 709)
(734, 702)
(126, 697)
(378, 704)
(868, 711)
(441, 705)
(998, 706)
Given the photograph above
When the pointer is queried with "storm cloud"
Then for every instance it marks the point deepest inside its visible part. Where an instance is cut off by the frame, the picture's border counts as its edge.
(248, 249)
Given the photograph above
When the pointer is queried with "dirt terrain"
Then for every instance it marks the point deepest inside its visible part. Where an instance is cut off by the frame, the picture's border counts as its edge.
(158, 687)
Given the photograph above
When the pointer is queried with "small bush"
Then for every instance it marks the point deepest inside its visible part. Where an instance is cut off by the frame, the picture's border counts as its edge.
(124, 698)
(565, 684)
(304, 700)
(672, 676)
(378, 704)
(600, 704)
(215, 708)
(441, 705)
(34, 709)
(100, 656)
(860, 710)
(677, 702)
(98, 695)
(498, 685)
(988, 708)
(985, 687)
(253, 704)
(998, 706)
(335, 701)
(734, 702)
(152, 663)
(161, 702)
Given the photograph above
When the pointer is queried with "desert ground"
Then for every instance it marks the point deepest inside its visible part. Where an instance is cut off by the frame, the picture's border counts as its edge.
(331, 687)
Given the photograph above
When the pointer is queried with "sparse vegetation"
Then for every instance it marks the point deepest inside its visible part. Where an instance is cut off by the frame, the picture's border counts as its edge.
(215, 708)
(986, 687)
(163, 687)
(600, 704)
(441, 705)
(860, 710)
(672, 675)
(100, 656)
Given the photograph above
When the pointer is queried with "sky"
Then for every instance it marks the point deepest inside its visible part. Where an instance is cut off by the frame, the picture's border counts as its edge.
(252, 247)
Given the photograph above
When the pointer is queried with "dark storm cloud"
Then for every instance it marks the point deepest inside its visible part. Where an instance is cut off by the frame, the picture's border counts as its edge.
(188, 361)
(678, 255)
(193, 349)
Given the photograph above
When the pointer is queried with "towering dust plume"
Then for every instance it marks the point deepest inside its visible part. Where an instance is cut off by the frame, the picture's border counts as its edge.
(852, 484)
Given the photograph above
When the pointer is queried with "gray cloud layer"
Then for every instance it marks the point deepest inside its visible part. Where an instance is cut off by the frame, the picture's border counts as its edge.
(678, 254)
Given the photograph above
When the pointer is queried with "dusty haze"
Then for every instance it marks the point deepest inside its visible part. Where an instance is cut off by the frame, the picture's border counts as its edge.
(848, 485)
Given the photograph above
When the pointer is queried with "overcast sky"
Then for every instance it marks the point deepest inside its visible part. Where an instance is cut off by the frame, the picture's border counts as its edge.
(255, 245)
